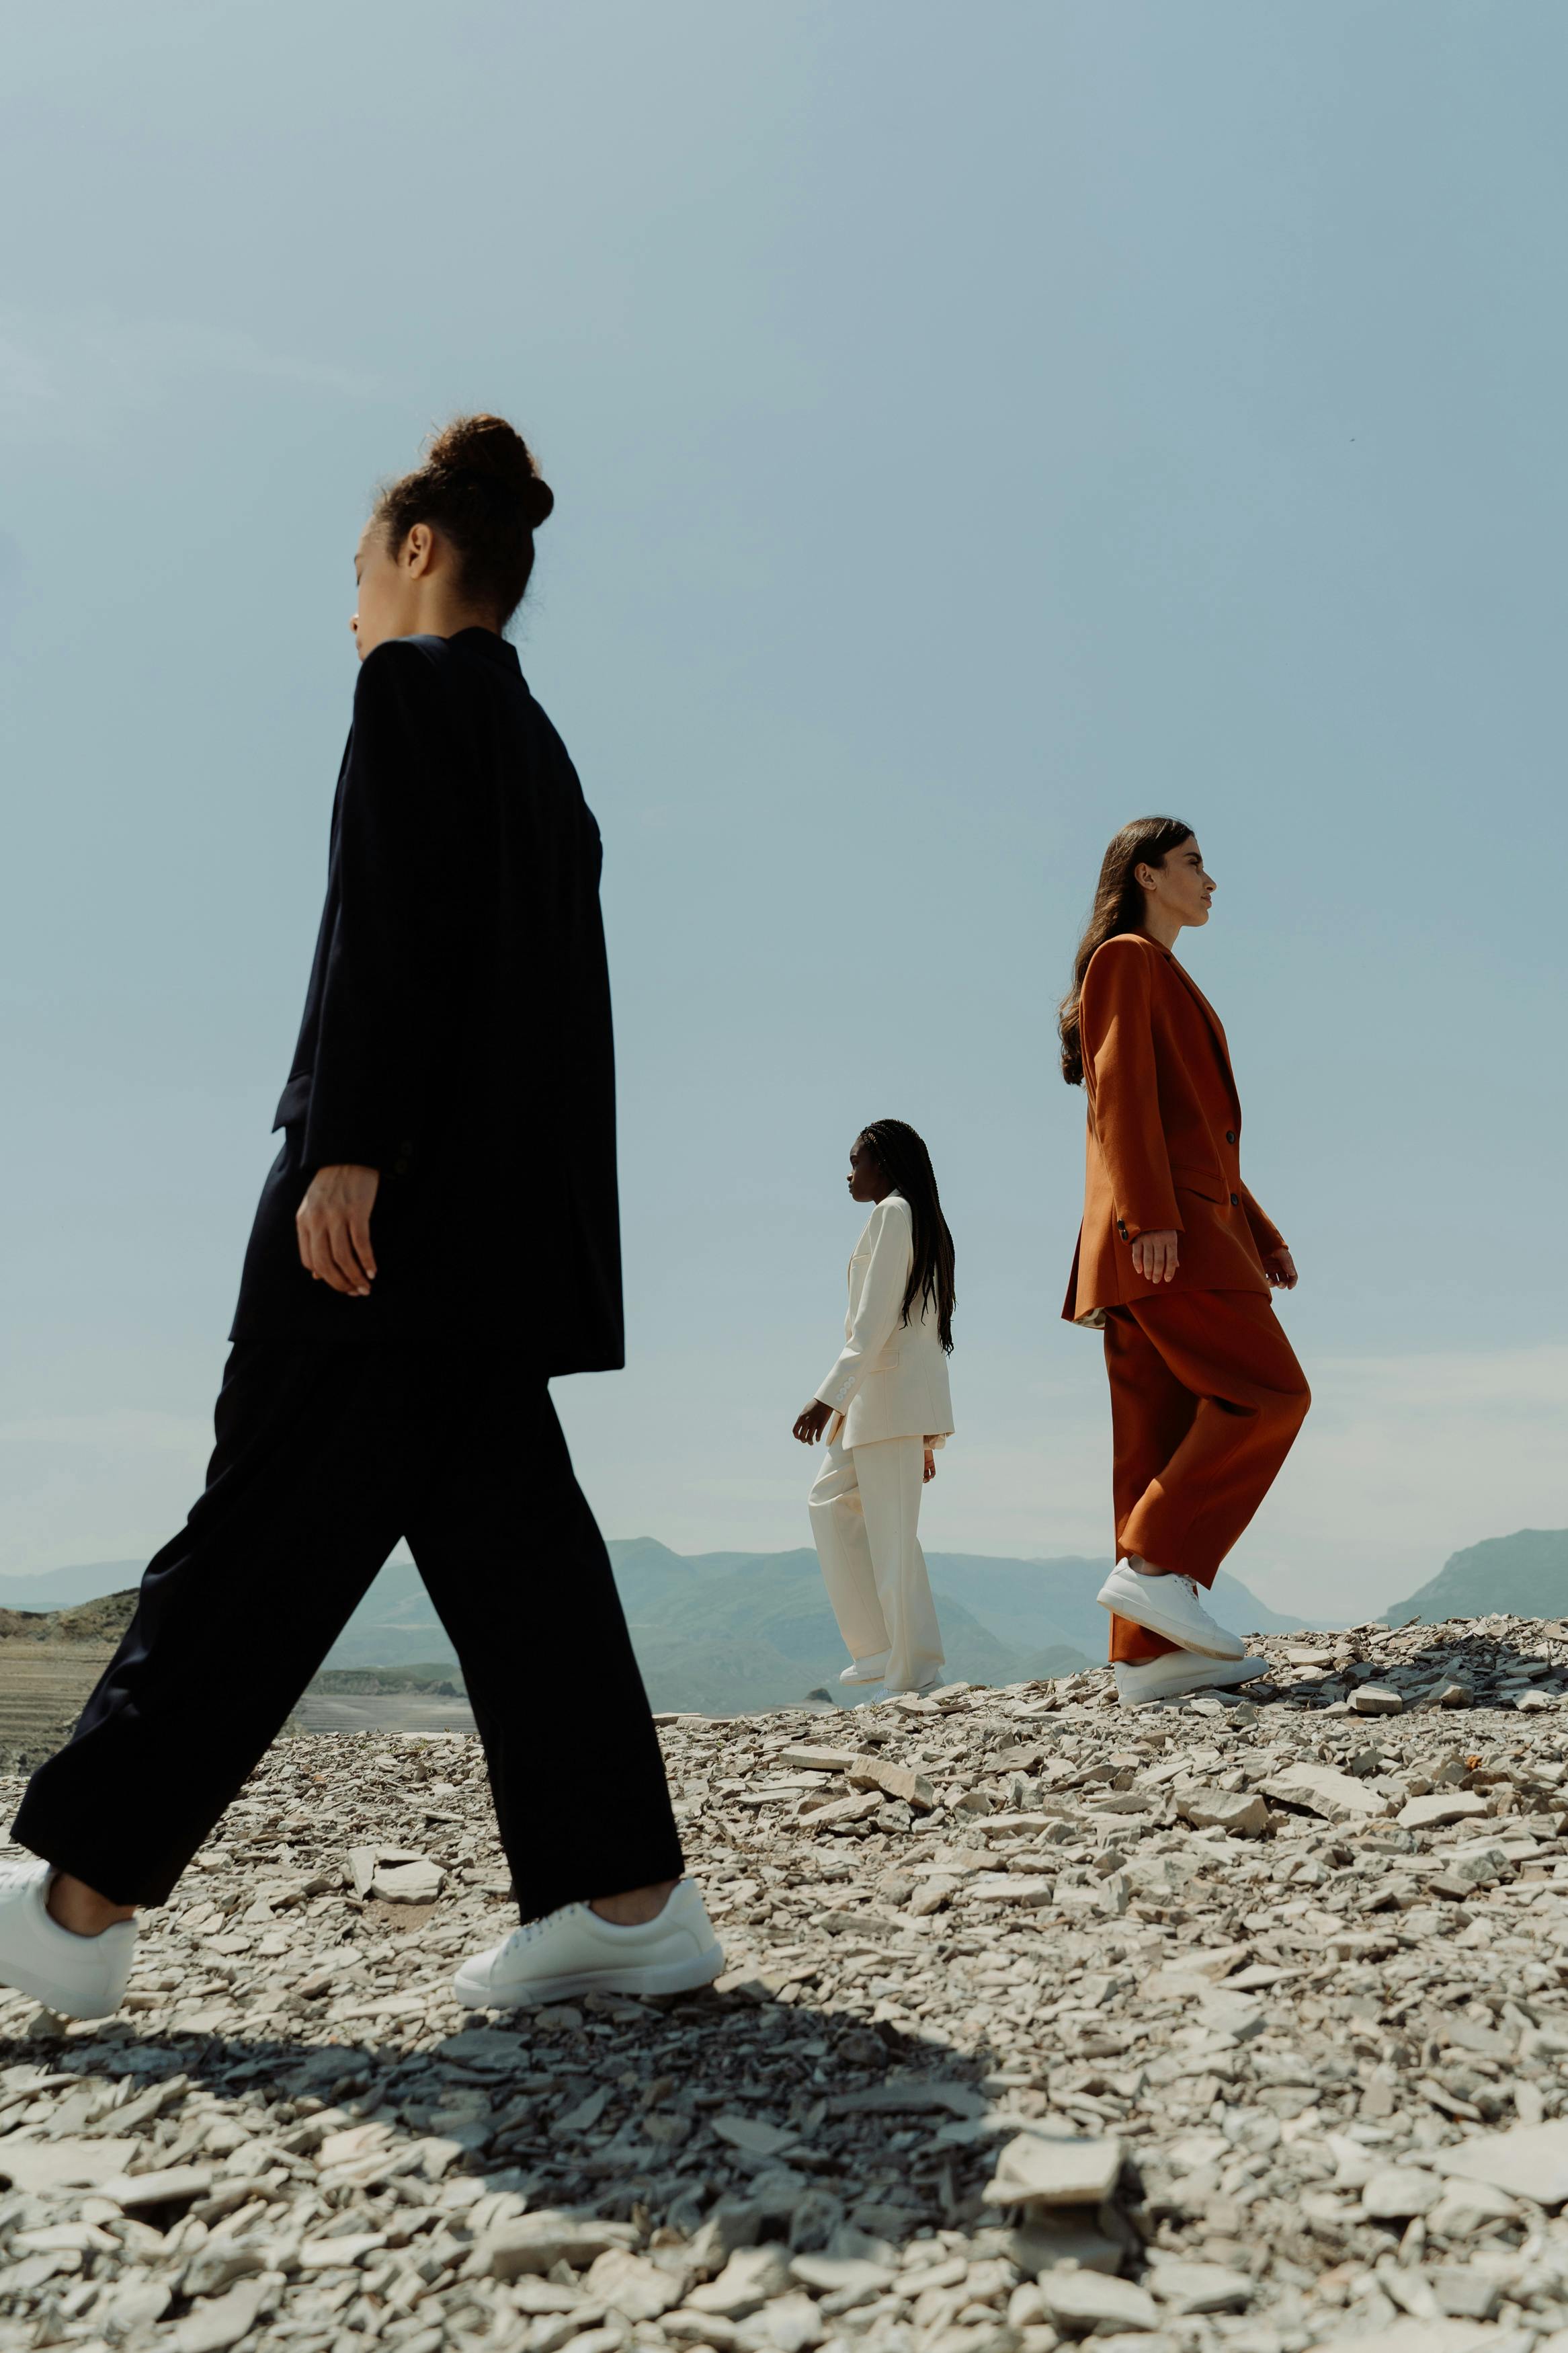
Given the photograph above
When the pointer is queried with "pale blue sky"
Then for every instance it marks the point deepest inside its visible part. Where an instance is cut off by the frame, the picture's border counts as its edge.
(971, 426)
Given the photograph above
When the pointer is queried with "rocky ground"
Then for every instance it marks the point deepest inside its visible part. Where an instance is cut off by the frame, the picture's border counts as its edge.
(1240, 2025)
(49, 1661)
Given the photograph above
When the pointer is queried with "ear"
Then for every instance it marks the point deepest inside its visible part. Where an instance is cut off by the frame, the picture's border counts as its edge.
(419, 551)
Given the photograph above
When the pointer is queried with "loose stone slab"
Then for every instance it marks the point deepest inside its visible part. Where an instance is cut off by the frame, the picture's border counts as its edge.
(754, 2134)
(1200, 2287)
(751, 2276)
(1376, 1699)
(213, 2326)
(133, 2192)
(537, 2243)
(1396, 2192)
(1441, 1806)
(913, 2098)
(1091, 2300)
(41, 2166)
(1241, 1811)
(895, 1781)
(1337, 1797)
(1038, 2171)
(1434, 2336)
(1531, 2162)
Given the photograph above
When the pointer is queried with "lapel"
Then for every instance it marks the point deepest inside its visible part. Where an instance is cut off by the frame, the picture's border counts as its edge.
(1216, 1030)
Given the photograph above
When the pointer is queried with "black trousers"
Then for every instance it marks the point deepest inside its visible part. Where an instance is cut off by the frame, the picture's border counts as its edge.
(325, 1456)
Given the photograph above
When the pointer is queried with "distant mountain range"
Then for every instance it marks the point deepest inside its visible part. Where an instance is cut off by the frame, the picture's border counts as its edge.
(1523, 1576)
(722, 1633)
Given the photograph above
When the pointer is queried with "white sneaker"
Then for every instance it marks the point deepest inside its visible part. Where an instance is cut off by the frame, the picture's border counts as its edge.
(574, 1951)
(79, 1976)
(865, 1671)
(1170, 1606)
(1180, 1672)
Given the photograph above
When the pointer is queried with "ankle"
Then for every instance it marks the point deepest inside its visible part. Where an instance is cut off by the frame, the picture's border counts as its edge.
(637, 1907)
(73, 1905)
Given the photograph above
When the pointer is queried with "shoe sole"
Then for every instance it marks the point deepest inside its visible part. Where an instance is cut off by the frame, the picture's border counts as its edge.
(1152, 1623)
(22, 1981)
(1186, 1688)
(859, 1679)
(647, 1978)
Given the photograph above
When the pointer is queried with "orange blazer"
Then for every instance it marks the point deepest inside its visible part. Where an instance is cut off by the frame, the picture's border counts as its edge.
(1165, 1133)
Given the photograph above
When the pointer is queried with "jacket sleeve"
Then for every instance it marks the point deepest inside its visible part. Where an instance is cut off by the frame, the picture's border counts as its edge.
(881, 1302)
(385, 961)
(1125, 1089)
(1265, 1232)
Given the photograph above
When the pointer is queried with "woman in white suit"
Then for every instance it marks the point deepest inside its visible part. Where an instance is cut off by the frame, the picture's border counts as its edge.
(885, 1407)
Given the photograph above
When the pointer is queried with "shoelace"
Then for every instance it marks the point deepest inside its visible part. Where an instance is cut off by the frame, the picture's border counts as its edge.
(529, 1929)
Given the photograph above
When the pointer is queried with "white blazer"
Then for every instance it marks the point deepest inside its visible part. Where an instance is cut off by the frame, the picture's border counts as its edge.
(891, 1380)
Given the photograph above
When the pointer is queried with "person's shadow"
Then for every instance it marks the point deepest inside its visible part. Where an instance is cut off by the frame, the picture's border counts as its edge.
(711, 2123)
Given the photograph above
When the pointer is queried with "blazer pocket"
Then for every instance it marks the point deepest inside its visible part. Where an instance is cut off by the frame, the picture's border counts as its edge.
(1206, 1183)
(888, 1362)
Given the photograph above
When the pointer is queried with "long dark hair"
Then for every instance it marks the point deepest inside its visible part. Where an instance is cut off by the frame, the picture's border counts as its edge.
(1119, 906)
(480, 484)
(907, 1163)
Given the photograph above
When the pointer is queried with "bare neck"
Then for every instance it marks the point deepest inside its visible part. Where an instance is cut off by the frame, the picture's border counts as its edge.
(1166, 929)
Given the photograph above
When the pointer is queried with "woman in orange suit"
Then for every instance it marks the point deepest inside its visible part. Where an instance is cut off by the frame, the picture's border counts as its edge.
(1175, 1263)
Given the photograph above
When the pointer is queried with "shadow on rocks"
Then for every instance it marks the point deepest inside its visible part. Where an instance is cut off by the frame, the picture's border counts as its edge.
(732, 2170)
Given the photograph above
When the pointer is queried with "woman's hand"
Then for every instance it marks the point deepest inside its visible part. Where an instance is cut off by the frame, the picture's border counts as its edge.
(929, 1473)
(1154, 1255)
(812, 1421)
(1281, 1269)
(333, 1223)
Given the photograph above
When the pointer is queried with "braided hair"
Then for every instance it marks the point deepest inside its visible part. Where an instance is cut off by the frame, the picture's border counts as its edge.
(906, 1163)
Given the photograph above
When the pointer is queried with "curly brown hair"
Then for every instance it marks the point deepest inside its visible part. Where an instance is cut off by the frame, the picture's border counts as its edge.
(480, 488)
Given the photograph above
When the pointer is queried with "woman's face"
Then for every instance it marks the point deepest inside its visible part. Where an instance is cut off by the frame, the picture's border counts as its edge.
(1180, 887)
(868, 1178)
(387, 591)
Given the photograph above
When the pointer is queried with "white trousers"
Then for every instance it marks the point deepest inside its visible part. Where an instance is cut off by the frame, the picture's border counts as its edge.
(865, 1511)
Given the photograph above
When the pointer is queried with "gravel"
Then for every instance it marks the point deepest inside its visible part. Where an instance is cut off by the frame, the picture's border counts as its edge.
(1240, 2023)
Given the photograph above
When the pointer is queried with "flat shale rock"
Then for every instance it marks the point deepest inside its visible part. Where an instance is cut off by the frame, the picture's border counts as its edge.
(1321, 1790)
(1032, 2170)
(1531, 2162)
(1237, 2026)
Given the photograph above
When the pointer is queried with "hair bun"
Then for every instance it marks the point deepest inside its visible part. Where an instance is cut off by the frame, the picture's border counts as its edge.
(489, 446)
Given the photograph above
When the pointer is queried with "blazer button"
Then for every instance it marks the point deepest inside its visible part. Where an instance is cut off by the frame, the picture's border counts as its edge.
(1236, 1201)
(1230, 1136)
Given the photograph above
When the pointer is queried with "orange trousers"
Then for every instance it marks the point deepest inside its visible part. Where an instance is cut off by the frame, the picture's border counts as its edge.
(1205, 1400)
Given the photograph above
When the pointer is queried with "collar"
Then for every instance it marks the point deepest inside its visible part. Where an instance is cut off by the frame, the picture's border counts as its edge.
(488, 647)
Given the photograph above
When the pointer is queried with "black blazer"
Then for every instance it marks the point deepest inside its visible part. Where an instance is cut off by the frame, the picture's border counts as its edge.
(457, 1033)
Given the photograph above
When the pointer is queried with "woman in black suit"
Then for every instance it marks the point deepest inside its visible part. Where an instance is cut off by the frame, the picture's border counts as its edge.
(437, 1236)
